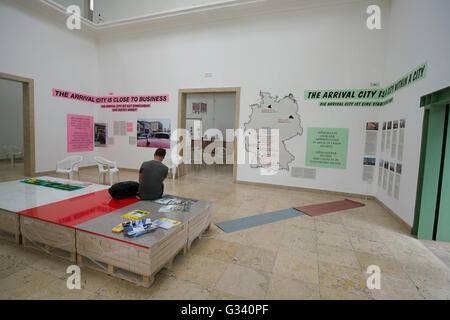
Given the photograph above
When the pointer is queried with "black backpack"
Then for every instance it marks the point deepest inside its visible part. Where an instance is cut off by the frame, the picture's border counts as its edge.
(124, 190)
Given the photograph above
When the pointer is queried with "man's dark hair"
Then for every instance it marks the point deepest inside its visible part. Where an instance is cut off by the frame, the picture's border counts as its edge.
(160, 153)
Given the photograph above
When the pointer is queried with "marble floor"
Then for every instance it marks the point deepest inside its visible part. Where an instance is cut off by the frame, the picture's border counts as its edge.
(305, 257)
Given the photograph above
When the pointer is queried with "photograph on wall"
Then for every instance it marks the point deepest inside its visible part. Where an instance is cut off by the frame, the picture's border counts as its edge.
(372, 126)
(100, 134)
(369, 168)
(398, 168)
(199, 107)
(395, 125)
(392, 166)
(369, 161)
(153, 133)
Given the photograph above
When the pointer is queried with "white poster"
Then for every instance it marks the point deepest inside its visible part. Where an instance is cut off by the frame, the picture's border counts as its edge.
(391, 178)
(401, 139)
(398, 173)
(380, 172)
(388, 135)
(370, 148)
(383, 136)
(385, 174)
(369, 169)
(394, 139)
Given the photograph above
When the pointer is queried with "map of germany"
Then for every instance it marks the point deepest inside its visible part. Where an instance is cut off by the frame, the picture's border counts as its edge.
(281, 114)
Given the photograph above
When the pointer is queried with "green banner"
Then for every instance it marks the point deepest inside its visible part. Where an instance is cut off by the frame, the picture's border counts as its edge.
(374, 94)
(327, 147)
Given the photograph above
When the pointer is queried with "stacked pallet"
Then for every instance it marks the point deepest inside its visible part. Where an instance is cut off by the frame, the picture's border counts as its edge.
(139, 263)
(197, 225)
(9, 226)
(52, 238)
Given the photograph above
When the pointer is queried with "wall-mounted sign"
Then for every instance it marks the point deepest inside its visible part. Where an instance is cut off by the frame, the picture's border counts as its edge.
(109, 99)
(80, 133)
(375, 97)
(327, 147)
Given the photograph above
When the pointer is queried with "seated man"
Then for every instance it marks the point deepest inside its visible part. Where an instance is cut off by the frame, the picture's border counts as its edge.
(151, 177)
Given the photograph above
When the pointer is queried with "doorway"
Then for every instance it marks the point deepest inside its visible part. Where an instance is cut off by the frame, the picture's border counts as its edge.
(432, 213)
(213, 108)
(18, 149)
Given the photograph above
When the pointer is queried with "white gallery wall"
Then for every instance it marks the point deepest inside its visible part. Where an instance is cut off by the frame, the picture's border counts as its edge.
(11, 111)
(418, 33)
(327, 47)
(40, 47)
(281, 53)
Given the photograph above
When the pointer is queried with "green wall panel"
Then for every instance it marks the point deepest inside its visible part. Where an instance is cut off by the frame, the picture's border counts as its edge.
(431, 173)
(421, 170)
(443, 225)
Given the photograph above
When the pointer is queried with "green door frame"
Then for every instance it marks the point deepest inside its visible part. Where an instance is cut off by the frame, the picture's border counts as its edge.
(432, 212)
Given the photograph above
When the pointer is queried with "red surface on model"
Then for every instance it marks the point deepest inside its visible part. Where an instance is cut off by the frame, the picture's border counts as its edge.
(72, 212)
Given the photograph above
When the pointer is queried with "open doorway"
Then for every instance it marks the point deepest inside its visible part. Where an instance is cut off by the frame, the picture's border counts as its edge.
(207, 114)
(17, 158)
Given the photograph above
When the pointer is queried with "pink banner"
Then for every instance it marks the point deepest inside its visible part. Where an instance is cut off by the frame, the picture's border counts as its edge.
(110, 99)
(80, 133)
(73, 96)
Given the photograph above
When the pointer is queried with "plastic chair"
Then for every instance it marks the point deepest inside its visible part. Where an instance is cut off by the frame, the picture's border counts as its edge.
(12, 151)
(172, 166)
(69, 165)
(106, 166)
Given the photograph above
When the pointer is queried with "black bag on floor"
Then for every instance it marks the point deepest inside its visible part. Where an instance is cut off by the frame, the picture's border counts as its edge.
(124, 190)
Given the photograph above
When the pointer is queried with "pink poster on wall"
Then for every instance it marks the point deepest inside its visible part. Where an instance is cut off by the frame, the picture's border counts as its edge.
(80, 133)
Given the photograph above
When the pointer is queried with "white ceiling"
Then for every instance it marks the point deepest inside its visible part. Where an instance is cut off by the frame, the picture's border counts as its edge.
(148, 14)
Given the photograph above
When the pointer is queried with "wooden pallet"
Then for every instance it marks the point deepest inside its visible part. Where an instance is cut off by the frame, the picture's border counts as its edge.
(9, 226)
(128, 261)
(54, 239)
(198, 225)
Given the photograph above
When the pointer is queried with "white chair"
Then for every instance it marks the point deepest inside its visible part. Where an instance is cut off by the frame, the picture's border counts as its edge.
(172, 166)
(69, 165)
(12, 152)
(106, 166)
